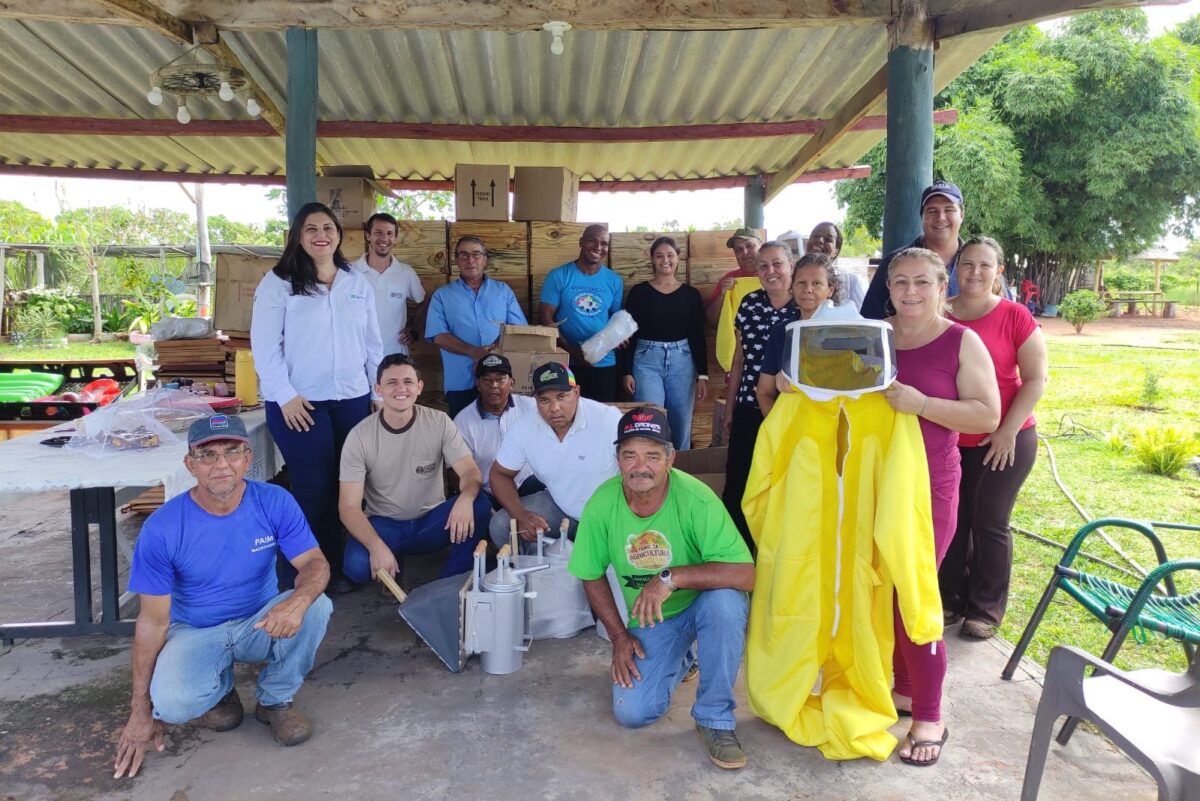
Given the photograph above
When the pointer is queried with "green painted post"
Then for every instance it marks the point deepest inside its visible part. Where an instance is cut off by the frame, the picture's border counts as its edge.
(909, 125)
(756, 197)
(300, 141)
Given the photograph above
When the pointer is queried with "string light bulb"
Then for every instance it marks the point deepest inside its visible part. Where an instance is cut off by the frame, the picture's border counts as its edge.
(155, 96)
(183, 115)
(226, 92)
(252, 107)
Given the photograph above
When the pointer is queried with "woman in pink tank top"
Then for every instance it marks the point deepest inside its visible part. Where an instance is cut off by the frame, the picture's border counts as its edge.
(945, 377)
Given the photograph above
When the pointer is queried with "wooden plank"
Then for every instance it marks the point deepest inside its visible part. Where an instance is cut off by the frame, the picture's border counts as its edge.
(499, 15)
(841, 123)
(422, 244)
(629, 255)
(709, 259)
(508, 243)
(550, 244)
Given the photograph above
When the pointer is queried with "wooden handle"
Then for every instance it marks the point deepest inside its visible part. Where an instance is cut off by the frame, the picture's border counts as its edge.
(512, 535)
(391, 584)
(505, 551)
(481, 548)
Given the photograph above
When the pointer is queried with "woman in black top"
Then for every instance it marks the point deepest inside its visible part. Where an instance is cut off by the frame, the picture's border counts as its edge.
(665, 362)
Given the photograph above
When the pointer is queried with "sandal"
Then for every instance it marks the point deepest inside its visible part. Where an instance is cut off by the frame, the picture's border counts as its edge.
(915, 744)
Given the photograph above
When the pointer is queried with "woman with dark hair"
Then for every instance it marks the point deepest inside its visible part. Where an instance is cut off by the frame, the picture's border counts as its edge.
(974, 577)
(665, 361)
(826, 238)
(316, 347)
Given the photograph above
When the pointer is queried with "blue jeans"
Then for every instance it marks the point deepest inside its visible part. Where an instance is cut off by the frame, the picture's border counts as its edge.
(313, 458)
(716, 623)
(663, 374)
(195, 667)
(424, 534)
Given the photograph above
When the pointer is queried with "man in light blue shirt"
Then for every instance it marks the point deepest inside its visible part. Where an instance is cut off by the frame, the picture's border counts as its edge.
(463, 320)
(581, 296)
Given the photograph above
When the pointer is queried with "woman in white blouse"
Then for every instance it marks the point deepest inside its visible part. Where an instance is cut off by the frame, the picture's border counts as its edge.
(316, 348)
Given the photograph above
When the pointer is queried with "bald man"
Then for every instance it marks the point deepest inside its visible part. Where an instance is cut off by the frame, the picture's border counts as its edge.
(580, 297)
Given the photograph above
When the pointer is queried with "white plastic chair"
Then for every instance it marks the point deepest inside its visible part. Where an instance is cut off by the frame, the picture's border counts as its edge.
(1151, 715)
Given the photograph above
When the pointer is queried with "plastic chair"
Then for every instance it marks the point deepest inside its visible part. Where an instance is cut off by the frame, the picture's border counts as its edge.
(1151, 715)
(1031, 296)
(1118, 607)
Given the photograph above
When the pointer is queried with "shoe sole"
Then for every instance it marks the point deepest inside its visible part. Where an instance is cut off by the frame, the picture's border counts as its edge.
(717, 762)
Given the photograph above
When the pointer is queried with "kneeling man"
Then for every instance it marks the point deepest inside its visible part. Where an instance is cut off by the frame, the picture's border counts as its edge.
(684, 571)
(204, 569)
(394, 460)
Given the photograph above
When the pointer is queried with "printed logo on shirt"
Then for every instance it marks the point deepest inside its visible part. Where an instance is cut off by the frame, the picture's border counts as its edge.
(396, 295)
(263, 543)
(356, 296)
(650, 550)
(426, 470)
(588, 304)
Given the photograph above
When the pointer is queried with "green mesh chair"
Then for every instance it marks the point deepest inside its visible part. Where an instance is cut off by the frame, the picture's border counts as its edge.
(1121, 608)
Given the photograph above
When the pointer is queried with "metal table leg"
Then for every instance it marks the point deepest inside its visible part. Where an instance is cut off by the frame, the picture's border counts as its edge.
(94, 505)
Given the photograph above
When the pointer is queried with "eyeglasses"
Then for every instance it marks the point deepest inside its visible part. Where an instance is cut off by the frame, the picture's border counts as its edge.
(498, 381)
(470, 254)
(212, 457)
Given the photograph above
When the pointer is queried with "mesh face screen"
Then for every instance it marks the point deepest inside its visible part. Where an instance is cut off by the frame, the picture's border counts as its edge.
(839, 358)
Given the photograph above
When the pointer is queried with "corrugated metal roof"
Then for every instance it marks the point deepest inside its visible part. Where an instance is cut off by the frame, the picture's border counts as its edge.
(604, 79)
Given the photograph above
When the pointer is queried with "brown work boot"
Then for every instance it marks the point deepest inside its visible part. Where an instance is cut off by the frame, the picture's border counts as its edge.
(226, 715)
(288, 725)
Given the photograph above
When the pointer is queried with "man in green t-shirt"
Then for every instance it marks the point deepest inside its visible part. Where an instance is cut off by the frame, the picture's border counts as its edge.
(684, 572)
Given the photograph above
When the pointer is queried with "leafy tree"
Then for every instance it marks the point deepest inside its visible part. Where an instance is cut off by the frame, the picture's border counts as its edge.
(115, 225)
(21, 224)
(224, 231)
(858, 241)
(1070, 147)
(415, 205)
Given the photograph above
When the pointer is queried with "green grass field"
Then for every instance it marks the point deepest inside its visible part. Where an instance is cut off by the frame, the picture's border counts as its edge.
(1099, 387)
(74, 350)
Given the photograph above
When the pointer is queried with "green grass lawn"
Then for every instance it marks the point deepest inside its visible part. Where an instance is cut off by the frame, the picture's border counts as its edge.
(74, 350)
(1100, 387)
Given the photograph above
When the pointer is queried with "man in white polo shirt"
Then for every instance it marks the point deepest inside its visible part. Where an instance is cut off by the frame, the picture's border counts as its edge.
(395, 284)
(483, 422)
(567, 445)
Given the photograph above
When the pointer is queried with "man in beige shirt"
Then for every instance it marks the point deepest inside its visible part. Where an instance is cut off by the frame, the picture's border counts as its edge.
(392, 498)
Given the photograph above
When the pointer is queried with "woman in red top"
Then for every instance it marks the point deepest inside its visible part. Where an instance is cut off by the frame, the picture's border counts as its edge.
(975, 573)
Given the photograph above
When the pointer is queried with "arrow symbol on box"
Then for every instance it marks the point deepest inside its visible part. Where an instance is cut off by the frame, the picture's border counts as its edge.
(493, 193)
(472, 191)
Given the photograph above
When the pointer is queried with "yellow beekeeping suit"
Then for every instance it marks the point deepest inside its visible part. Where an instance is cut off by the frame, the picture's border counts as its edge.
(838, 504)
(726, 341)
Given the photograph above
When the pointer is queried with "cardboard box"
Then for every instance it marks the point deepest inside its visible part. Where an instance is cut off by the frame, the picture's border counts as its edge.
(516, 338)
(523, 363)
(481, 191)
(706, 464)
(238, 276)
(545, 193)
(350, 191)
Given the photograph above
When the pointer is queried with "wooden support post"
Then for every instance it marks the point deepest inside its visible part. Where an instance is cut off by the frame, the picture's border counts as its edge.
(301, 136)
(756, 198)
(909, 123)
(39, 269)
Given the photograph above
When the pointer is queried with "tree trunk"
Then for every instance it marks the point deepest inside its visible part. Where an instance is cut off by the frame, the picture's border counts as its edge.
(97, 322)
(1078, 328)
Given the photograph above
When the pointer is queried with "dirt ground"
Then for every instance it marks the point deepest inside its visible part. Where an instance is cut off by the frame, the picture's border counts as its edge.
(1138, 331)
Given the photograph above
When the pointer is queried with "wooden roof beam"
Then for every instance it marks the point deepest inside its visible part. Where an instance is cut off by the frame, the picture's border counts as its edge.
(1021, 12)
(837, 126)
(498, 15)
(649, 185)
(148, 15)
(353, 129)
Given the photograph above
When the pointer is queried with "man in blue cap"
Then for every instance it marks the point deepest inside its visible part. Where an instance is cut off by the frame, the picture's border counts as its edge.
(941, 219)
(204, 571)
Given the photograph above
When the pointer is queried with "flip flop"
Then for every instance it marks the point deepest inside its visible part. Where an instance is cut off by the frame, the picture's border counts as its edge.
(915, 744)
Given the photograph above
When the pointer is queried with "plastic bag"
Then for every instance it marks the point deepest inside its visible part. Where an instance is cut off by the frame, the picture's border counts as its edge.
(143, 422)
(620, 328)
(561, 607)
(181, 328)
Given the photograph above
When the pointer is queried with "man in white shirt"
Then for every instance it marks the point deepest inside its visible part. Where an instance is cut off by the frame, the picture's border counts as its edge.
(483, 423)
(569, 447)
(395, 284)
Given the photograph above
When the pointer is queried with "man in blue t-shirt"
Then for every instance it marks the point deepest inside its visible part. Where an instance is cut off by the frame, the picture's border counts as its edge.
(204, 570)
(580, 297)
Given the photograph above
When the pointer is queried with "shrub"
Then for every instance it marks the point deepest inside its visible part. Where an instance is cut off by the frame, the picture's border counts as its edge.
(1151, 391)
(1126, 279)
(1163, 451)
(37, 322)
(1081, 306)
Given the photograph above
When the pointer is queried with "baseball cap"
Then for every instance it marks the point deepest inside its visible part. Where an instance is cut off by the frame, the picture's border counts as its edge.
(219, 426)
(743, 233)
(493, 363)
(553, 375)
(644, 421)
(943, 188)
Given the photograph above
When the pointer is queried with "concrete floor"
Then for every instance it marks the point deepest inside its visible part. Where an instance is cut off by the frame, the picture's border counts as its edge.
(391, 722)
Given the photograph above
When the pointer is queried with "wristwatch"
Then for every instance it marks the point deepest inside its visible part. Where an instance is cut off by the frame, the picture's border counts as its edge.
(665, 577)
